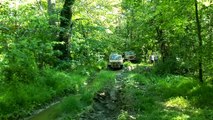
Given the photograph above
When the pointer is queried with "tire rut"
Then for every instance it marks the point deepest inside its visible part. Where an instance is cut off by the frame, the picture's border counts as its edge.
(107, 102)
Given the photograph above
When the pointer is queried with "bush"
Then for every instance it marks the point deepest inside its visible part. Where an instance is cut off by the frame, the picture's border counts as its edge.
(169, 66)
(71, 103)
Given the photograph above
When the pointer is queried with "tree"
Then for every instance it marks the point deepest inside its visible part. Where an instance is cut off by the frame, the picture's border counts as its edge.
(51, 11)
(200, 43)
(63, 44)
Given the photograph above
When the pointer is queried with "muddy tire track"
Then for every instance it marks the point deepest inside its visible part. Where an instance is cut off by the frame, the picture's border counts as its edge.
(107, 103)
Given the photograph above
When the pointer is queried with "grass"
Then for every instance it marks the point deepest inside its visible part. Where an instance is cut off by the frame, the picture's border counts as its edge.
(73, 106)
(169, 97)
(146, 95)
(20, 99)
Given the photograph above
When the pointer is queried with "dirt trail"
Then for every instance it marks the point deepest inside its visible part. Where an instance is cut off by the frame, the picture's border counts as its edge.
(107, 103)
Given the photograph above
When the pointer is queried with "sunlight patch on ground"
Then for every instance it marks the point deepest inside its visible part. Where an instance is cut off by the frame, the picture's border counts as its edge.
(132, 75)
(144, 64)
(177, 102)
(181, 117)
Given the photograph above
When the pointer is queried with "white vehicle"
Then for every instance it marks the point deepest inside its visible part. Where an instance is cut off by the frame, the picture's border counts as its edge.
(115, 61)
(129, 56)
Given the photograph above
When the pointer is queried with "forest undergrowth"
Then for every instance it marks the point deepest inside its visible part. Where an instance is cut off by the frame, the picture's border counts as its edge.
(20, 99)
(167, 97)
(145, 95)
(149, 96)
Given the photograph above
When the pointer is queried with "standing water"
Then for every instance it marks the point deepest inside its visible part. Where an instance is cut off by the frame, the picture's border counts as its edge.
(48, 114)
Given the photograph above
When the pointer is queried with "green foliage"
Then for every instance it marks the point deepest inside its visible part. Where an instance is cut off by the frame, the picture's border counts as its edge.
(49, 85)
(127, 63)
(167, 97)
(102, 80)
(169, 66)
(26, 46)
(20, 66)
(123, 115)
(71, 104)
(74, 105)
(168, 27)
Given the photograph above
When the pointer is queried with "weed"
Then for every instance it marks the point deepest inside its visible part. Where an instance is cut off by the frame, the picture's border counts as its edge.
(167, 97)
(18, 98)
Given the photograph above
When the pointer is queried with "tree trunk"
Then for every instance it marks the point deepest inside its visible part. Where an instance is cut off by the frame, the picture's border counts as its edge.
(51, 12)
(127, 34)
(200, 43)
(65, 32)
(210, 30)
(162, 44)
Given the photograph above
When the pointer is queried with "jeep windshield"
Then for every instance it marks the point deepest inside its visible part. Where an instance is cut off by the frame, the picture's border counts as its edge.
(115, 57)
(130, 53)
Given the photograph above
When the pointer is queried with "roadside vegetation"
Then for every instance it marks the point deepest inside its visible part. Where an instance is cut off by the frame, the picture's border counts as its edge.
(19, 100)
(73, 106)
(145, 95)
(151, 96)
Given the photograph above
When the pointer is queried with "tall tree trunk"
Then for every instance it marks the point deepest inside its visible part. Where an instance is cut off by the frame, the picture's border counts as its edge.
(127, 34)
(65, 32)
(162, 44)
(200, 43)
(51, 11)
(210, 30)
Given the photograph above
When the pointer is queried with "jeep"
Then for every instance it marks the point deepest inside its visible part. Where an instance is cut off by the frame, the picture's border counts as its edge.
(115, 61)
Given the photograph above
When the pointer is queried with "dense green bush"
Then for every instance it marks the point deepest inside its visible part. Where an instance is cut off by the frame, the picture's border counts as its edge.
(20, 98)
(167, 97)
(20, 66)
(166, 67)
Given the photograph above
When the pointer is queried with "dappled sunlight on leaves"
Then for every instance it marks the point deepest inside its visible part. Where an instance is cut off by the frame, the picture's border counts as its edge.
(177, 102)
(181, 117)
